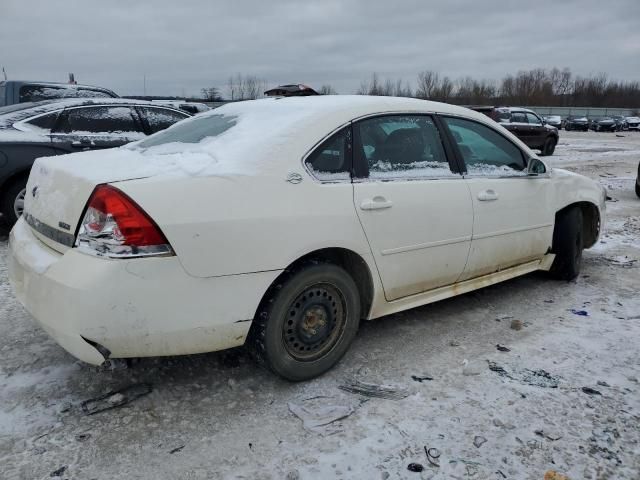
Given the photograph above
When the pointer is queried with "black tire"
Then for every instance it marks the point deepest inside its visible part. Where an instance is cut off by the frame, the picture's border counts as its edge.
(568, 243)
(567, 128)
(8, 200)
(306, 322)
(549, 146)
(637, 189)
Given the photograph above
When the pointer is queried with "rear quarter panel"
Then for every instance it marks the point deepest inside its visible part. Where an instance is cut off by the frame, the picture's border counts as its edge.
(231, 225)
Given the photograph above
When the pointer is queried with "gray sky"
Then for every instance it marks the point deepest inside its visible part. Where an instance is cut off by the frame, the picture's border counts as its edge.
(183, 46)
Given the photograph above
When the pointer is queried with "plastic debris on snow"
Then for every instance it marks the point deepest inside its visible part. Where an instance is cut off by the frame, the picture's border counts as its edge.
(582, 313)
(536, 378)
(115, 399)
(591, 391)
(374, 390)
(320, 418)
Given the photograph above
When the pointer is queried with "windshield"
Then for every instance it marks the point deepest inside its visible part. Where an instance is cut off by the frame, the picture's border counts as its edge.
(191, 131)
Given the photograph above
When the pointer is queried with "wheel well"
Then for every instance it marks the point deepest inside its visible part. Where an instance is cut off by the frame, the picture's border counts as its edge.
(590, 221)
(353, 263)
(24, 174)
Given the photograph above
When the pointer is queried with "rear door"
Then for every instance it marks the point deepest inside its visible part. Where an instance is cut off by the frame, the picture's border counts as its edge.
(415, 210)
(520, 128)
(97, 126)
(512, 212)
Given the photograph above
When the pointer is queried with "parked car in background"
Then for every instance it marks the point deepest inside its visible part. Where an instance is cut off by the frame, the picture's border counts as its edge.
(190, 107)
(528, 127)
(621, 122)
(136, 252)
(553, 120)
(576, 122)
(603, 124)
(41, 129)
(633, 123)
(19, 91)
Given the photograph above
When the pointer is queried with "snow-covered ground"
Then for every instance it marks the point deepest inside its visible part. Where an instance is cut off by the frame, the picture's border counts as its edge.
(219, 416)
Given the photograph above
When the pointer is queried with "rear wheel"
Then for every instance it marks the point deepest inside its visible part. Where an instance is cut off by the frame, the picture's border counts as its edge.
(306, 323)
(12, 201)
(549, 146)
(568, 243)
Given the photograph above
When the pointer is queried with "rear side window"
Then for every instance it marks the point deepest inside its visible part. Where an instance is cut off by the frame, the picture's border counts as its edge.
(161, 118)
(401, 146)
(332, 159)
(101, 120)
(44, 122)
(485, 151)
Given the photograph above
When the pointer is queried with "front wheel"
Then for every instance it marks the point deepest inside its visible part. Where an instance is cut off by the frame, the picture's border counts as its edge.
(306, 322)
(568, 243)
(12, 201)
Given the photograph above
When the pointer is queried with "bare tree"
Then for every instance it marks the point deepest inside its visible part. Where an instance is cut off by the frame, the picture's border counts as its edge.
(247, 87)
(428, 83)
(327, 90)
(211, 94)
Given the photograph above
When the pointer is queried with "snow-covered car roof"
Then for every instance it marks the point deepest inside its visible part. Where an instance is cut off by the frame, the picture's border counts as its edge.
(256, 137)
(20, 111)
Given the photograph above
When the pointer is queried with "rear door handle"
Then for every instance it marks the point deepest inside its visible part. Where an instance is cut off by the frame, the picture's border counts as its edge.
(488, 195)
(378, 203)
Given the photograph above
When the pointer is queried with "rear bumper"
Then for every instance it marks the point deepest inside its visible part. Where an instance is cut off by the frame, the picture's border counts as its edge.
(134, 308)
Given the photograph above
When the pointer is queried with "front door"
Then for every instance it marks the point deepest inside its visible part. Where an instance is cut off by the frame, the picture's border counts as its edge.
(415, 211)
(513, 216)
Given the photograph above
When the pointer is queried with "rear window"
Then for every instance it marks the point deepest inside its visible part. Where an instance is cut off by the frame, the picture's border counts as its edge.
(192, 131)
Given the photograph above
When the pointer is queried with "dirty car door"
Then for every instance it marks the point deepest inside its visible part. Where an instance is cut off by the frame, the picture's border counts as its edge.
(513, 215)
(415, 211)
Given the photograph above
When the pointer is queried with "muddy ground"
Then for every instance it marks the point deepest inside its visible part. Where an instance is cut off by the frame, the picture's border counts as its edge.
(490, 414)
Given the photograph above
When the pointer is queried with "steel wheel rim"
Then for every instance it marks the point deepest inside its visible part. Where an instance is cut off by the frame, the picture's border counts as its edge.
(315, 322)
(18, 203)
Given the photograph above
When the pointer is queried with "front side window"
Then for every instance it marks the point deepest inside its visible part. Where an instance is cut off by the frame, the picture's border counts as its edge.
(105, 120)
(401, 146)
(533, 119)
(161, 118)
(331, 160)
(485, 151)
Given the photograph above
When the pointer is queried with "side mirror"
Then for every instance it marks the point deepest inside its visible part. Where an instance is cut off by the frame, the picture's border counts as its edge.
(535, 166)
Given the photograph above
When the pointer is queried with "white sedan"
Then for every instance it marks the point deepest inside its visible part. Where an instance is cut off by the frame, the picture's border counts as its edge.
(281, 223)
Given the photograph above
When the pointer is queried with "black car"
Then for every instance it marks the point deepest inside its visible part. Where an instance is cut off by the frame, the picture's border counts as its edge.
(528, 127)
(603, 124)
(576, 122)
(21, 91)
(42, 129)
(621, 122)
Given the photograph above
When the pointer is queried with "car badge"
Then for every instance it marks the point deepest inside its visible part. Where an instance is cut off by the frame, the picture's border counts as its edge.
(294, 178)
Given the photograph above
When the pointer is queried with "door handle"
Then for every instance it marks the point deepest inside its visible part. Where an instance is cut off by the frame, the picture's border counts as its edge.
(488, 195)
(378, 203)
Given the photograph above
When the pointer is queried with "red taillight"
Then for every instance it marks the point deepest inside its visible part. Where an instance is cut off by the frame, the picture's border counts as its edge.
(114, 225)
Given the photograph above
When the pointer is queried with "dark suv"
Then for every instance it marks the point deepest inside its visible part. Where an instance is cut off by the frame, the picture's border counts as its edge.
(18, 91)
(526, 125)
(42, 129)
